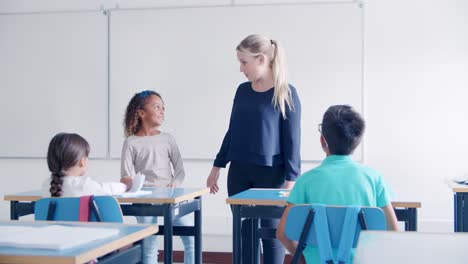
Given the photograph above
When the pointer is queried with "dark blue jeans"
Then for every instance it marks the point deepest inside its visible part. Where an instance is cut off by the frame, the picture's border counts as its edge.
(241, 177)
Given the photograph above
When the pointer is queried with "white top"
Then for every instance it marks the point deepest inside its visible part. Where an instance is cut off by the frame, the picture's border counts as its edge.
(153, 156)
(76, 186)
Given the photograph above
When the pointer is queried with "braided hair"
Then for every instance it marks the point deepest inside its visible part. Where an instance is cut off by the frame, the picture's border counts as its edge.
(342, 128)
(132, 123)
(65, 151)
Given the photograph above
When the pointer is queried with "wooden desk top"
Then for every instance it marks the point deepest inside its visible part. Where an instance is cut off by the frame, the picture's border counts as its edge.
(158, 196)
(128, 234)
(456, 187)
(277, 197)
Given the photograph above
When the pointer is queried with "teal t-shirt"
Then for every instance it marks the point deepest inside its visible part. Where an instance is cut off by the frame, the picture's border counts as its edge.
(339, 181)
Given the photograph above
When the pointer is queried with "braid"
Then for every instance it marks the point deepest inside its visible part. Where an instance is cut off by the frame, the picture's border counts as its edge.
(65, 151)
(56, 184)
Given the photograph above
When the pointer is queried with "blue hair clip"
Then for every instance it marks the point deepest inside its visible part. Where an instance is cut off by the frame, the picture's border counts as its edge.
(144, 94)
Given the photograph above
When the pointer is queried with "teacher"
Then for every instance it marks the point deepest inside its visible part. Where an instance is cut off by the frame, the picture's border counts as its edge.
(263, 139)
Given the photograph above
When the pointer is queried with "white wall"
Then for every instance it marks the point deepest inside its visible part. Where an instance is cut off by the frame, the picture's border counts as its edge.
(416, 80)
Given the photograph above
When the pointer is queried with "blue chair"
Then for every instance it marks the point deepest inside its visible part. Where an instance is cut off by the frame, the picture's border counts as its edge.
(331, 227)
(98, 209)
(101, 209)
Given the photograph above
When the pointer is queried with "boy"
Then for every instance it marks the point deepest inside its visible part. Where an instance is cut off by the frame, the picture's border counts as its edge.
(338, 180)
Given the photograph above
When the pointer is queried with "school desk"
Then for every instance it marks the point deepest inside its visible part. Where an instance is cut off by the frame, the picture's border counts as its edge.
(170, 203)
(83, 253)
(269, 203)
(460, 197)
(390, 247)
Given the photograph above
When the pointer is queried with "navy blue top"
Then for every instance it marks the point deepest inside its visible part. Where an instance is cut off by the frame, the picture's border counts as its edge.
(258, 133)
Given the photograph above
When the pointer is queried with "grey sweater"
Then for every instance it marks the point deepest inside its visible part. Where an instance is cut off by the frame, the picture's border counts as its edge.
(153, 156)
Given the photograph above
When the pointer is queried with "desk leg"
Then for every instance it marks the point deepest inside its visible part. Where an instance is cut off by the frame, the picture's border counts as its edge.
(198, 233)
(255, 241)
(460, 221)
(13, 212)
(236, 234)
(412, 223)
(168, 232)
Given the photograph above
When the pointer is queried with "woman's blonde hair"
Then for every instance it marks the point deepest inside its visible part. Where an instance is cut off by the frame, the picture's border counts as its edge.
(255, 45)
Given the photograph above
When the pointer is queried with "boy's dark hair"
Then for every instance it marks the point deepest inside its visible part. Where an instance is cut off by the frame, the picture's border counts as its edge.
(65, 151)
(342, 128)
(131, 121)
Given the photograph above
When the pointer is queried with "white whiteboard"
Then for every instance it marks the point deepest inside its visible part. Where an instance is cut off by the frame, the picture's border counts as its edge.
(188, 55)
(53, 78)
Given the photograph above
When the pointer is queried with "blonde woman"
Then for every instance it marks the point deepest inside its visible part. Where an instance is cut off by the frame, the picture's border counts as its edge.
(263, 139)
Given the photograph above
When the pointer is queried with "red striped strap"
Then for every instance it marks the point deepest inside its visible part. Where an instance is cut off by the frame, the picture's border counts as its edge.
(83, 215)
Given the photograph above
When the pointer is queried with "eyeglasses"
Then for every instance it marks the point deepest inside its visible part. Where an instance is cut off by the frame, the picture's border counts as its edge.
(320, 128)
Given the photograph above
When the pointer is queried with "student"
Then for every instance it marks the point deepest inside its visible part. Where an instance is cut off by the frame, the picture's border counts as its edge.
(67, 158)
(263, 139)
(150, 151)
(338, 180)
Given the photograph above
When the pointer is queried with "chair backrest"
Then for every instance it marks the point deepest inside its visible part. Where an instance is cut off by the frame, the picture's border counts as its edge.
(101, 209)
(331, 227)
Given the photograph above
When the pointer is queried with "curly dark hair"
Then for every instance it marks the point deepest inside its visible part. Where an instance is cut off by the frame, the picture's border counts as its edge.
(131, 121)
(65, 151)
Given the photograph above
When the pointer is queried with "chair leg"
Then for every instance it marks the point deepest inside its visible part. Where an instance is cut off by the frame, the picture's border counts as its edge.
(51, 210)
(305, 231)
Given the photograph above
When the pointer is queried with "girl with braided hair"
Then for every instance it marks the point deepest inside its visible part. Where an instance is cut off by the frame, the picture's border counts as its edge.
(67, 158)
(154, 153)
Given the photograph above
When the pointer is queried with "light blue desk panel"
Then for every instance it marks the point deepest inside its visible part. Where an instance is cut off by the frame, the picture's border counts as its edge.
(128, 234)
(259, 196)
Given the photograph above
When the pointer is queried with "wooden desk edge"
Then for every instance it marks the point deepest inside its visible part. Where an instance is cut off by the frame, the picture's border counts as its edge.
(459, 189)
(406, 204)
(238, 201)
(189, 196)
(22, 198)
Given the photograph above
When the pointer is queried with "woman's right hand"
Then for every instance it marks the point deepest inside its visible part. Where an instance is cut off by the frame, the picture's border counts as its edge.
(212, 180)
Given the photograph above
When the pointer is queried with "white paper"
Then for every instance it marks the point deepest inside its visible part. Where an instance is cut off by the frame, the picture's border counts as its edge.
(54, 237)
(137, 182)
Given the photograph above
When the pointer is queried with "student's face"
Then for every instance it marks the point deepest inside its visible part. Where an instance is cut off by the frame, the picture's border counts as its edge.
(251, 67)
(153, 111)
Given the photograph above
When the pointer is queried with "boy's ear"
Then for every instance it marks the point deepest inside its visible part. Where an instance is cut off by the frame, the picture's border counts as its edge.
(323, 142)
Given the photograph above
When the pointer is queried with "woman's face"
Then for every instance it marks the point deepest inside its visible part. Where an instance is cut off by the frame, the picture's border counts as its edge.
(251, 67)
(153, 111)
